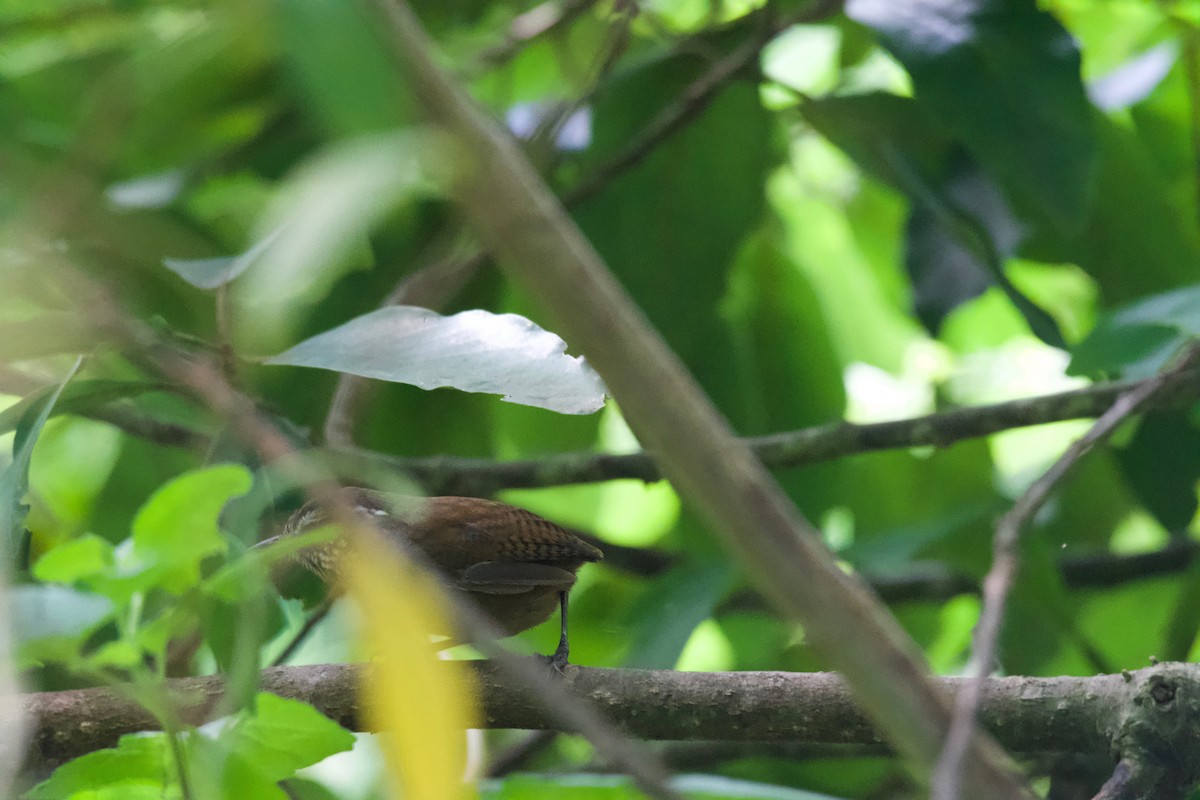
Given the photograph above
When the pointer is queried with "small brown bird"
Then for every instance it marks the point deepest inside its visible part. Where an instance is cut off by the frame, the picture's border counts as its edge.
(514, 564)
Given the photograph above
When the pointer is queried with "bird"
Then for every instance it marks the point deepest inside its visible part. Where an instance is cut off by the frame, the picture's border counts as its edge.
(515, 565)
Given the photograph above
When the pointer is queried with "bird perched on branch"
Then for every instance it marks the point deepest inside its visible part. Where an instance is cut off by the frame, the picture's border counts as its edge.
(515, 565)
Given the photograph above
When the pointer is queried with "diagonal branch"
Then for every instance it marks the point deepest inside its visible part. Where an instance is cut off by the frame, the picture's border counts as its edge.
(434, 284)
(518, 218)
(1005, 559)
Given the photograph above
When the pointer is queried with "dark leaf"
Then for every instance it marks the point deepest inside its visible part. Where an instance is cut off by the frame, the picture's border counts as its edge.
(1003, 76)
(1162, 465)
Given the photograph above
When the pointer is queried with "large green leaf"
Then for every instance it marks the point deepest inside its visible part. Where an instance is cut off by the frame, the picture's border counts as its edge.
(672, 608)
(670, 227)
(1161, 464)
(1003, 76)
(1138, 339)
(1138, 238)
(960, 230)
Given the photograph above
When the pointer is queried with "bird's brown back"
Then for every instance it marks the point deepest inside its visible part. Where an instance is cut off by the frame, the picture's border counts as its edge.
(457, 532)
(453, 532)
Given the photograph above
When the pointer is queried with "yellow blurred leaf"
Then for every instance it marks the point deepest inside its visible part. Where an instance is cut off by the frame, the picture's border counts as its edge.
(422, 705)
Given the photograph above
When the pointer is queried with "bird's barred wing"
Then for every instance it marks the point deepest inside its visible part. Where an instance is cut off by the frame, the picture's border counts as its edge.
(512, 577)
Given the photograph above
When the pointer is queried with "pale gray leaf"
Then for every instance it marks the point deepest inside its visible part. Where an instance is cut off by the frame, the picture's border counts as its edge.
(475, 351)
(209, 273)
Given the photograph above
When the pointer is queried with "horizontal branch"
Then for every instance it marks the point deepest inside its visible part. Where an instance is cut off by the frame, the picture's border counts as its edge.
(448, 475)
(1027, 715)
(933, 581)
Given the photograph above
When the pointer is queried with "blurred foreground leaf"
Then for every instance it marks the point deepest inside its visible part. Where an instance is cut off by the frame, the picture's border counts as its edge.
(424, 706)
(613, 787)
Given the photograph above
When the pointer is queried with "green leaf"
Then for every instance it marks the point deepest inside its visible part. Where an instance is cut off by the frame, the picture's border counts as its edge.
(283, 736)
(1162, 464)
(1003, 76)
(343, 67)
(137, 768)
(960, 229)
(888, 136)
(656, 225)
(475, 351)
(177, 527)
(72, 560)
(304, 789)
(1137, 339)
(119, 654)
(221, 772)
(1135, 350)
(1139, 237)
(671, 609)
(14, 481)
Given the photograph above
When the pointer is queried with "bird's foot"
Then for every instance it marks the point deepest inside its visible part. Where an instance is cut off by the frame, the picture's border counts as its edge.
(558, 661)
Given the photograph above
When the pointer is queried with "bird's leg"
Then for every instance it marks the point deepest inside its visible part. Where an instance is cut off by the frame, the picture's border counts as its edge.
(559, 659)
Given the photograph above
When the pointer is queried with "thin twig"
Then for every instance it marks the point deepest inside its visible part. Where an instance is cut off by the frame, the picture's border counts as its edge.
(937, 583)
(314, 619)
(692, 102)
(430, 287)
(947, 778)
(783, 450)
(539, 21)
(223, 311)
